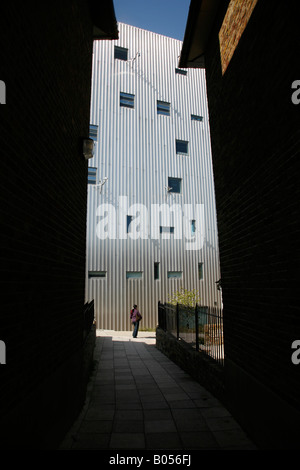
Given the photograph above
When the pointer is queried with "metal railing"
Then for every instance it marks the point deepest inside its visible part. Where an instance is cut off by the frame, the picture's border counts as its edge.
(200, 326)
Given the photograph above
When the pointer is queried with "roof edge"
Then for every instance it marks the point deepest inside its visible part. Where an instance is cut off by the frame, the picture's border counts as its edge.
(104, 19)
(200, 21)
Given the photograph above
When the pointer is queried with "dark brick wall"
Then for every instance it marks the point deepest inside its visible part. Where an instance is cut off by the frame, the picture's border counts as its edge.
(255, 145)
(45, 62)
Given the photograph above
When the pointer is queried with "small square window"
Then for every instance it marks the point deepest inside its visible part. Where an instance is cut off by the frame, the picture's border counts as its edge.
(92, 174)
(182, 146)
(174, 185)
(134, 274)
(180, 71)
(97, 274)
(163, 108)
(121, 53)
(174, 274)
(126, 100)
(194, 117)
(93, 132)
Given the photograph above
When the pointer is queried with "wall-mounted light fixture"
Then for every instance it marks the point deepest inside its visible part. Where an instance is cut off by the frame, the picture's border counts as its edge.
(134, 58)
(88, 148)
(101, 183)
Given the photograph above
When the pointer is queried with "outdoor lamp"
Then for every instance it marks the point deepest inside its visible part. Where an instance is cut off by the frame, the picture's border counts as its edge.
(88, 148)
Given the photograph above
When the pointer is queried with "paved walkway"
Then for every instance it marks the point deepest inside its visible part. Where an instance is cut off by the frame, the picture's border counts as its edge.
(138, 399)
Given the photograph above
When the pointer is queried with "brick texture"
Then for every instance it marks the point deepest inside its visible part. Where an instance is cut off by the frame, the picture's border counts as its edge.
(255, 145)
(45, 61)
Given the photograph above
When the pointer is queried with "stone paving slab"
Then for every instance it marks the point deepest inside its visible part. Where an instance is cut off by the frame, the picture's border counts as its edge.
(138, 399)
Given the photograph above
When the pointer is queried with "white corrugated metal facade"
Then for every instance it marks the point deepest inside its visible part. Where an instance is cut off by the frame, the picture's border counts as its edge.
(135, 149)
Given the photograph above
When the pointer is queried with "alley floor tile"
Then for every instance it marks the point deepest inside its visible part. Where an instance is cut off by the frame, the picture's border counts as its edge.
(139, 399)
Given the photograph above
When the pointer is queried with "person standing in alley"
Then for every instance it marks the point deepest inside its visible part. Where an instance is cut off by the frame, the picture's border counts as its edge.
(135, 317)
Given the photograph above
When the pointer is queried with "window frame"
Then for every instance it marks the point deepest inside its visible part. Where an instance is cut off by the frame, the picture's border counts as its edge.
(156, 271)
(174, 274)
(193, 227)
(196, 118)
(97, 274)
(120, 50)
(163, 108)
(93, 132)
(128, 221)
(180, 71)
(90, 180)
(178, 180)
(166, 229)
(127, 100)
(130, 275)
(179, 143)
(200, 271)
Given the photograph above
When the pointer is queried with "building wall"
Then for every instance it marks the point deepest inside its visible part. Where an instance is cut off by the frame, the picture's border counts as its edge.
(255, 146)
(45, 58)
(136, 151)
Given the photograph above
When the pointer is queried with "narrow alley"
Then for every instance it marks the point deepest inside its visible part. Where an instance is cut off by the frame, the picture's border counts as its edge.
(138, 399)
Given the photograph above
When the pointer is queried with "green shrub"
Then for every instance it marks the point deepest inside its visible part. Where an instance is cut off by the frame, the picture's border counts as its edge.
(189, 298)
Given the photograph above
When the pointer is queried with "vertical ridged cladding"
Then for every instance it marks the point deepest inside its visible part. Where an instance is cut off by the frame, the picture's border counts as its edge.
(136, 151)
